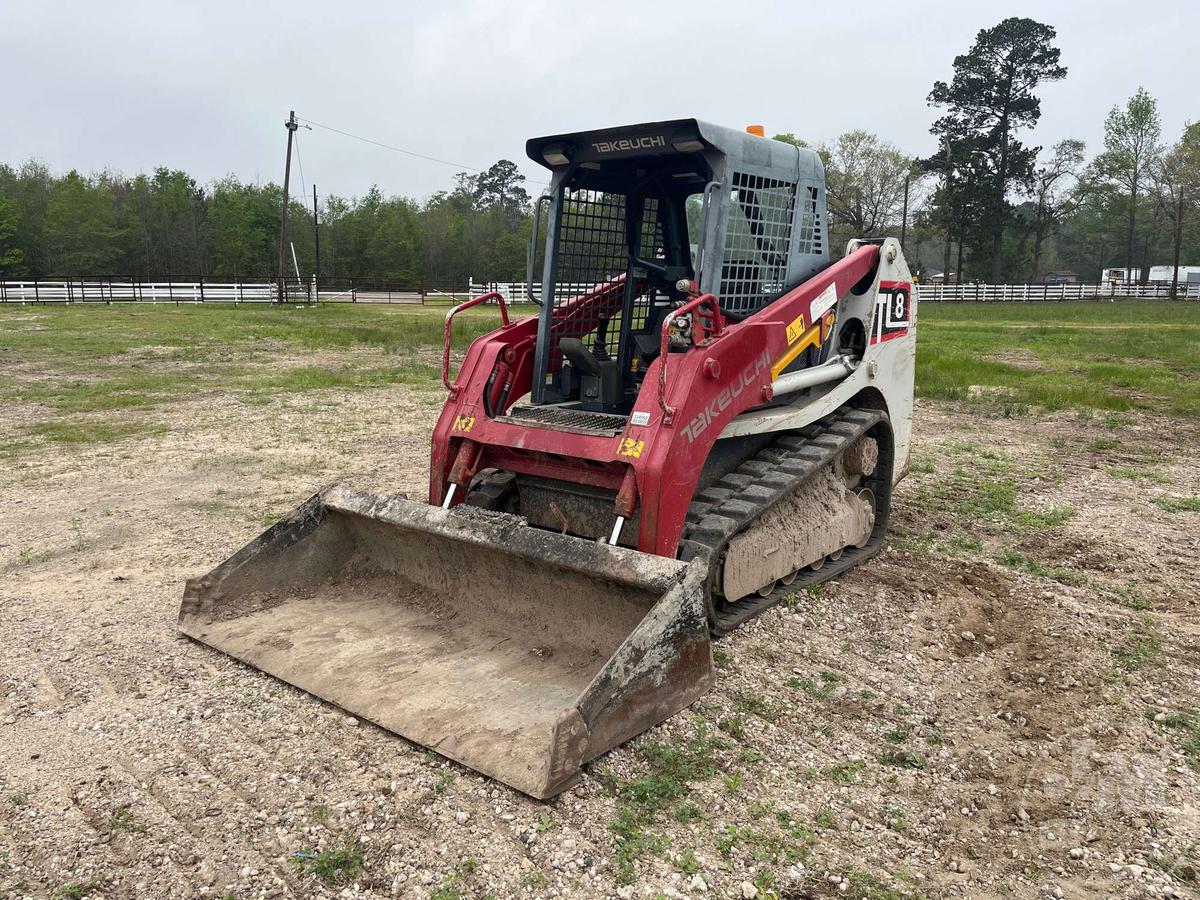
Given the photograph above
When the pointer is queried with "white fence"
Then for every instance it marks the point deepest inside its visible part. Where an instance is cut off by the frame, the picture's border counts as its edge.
(106, 291)
(1031, 293)
(516, 292)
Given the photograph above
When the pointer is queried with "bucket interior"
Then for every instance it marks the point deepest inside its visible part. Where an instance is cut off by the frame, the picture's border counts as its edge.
(465, 647)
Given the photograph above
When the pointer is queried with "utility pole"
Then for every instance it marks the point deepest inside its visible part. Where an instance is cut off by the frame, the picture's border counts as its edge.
(904, 221)
(291, 126)
(316, 243)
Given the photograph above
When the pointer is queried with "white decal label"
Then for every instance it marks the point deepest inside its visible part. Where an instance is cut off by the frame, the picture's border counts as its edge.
(826, 300)
(640, 418)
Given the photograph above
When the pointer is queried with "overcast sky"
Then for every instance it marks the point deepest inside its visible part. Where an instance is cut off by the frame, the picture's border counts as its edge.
(206, 86)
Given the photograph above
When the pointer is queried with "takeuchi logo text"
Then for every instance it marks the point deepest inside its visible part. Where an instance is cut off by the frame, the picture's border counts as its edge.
(748, 377)
(642, 143)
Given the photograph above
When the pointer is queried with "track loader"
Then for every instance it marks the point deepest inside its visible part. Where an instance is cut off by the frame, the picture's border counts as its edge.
(703, 416)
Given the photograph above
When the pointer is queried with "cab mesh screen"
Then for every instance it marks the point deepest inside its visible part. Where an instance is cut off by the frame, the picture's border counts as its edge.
(758, 235)
(592, 258)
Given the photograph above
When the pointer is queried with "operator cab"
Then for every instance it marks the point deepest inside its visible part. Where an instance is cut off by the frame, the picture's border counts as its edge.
(635, 212)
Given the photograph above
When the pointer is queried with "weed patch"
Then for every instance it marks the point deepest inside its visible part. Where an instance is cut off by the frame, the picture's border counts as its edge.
(903, 759)
(846, 772)
(1188, 724)
(1140, 474)
(1042, 519)
(760, 846)
(1179, 504)
(75, 432)
(77, 890)
(687, 863)
(822, 688)
(336, 865)
(122, 820)
(674, 767)
(1014, 559)
(1145, 650)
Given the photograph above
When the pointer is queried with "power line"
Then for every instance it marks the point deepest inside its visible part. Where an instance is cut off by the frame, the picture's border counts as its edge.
(395, 149)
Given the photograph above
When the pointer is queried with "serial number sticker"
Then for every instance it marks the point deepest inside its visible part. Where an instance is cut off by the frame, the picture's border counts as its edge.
(826, 300)
(464, 423)
(631, 447)
(641, 417)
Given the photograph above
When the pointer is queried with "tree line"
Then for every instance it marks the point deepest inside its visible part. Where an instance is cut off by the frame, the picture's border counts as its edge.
(1012, 211)
(984, 206)
(166, 225)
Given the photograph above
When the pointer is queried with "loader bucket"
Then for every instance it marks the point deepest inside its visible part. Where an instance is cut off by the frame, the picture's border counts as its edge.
(516, 651)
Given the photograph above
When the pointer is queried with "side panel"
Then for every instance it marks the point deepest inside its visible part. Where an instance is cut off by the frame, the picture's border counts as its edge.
(706, 386)
(892, 348)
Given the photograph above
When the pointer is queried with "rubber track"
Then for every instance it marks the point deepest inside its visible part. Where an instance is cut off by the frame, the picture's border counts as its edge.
(732, 504)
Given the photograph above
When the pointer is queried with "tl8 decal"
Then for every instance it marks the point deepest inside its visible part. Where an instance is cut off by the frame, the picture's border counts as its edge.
(893, 311)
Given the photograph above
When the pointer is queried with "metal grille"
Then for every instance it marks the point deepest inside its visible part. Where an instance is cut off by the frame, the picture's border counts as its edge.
(591, 251)
(572, 419)
(757, 236)
(591, 254)
(650, 246)
(811, 237)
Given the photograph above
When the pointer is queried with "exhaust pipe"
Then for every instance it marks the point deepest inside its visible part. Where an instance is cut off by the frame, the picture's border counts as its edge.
(836, 369)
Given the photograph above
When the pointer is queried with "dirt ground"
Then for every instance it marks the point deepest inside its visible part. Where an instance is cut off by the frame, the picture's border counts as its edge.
(1003, 703)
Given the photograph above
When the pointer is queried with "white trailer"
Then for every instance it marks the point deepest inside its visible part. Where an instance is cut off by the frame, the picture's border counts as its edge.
(1187, 274)
(1158, 275)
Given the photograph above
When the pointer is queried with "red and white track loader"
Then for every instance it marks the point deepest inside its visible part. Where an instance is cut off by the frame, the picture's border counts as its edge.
(703, 416)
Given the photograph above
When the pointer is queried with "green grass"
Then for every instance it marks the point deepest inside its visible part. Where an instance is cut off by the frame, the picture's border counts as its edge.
(1045, 518)
(1185, 871)
(1139, 474)
(1145, 650)
(1014, 559)
(822, 691)
(77, 890)
(903, 759)
(1127, 356)
(763, 845)
(846, 772)
(721, 659)
(864, 886)
(1186, 724)
(755, 705)
(336, 865)
(687, 863)
(825, 819)
(673, 767)
(61, 432)
(95, 375)
(92, 374)
(1106, 357)
(186, 334)
(122, 820)
(1179, 504)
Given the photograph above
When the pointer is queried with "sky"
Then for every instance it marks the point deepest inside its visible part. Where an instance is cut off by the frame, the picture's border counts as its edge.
(206, 86)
